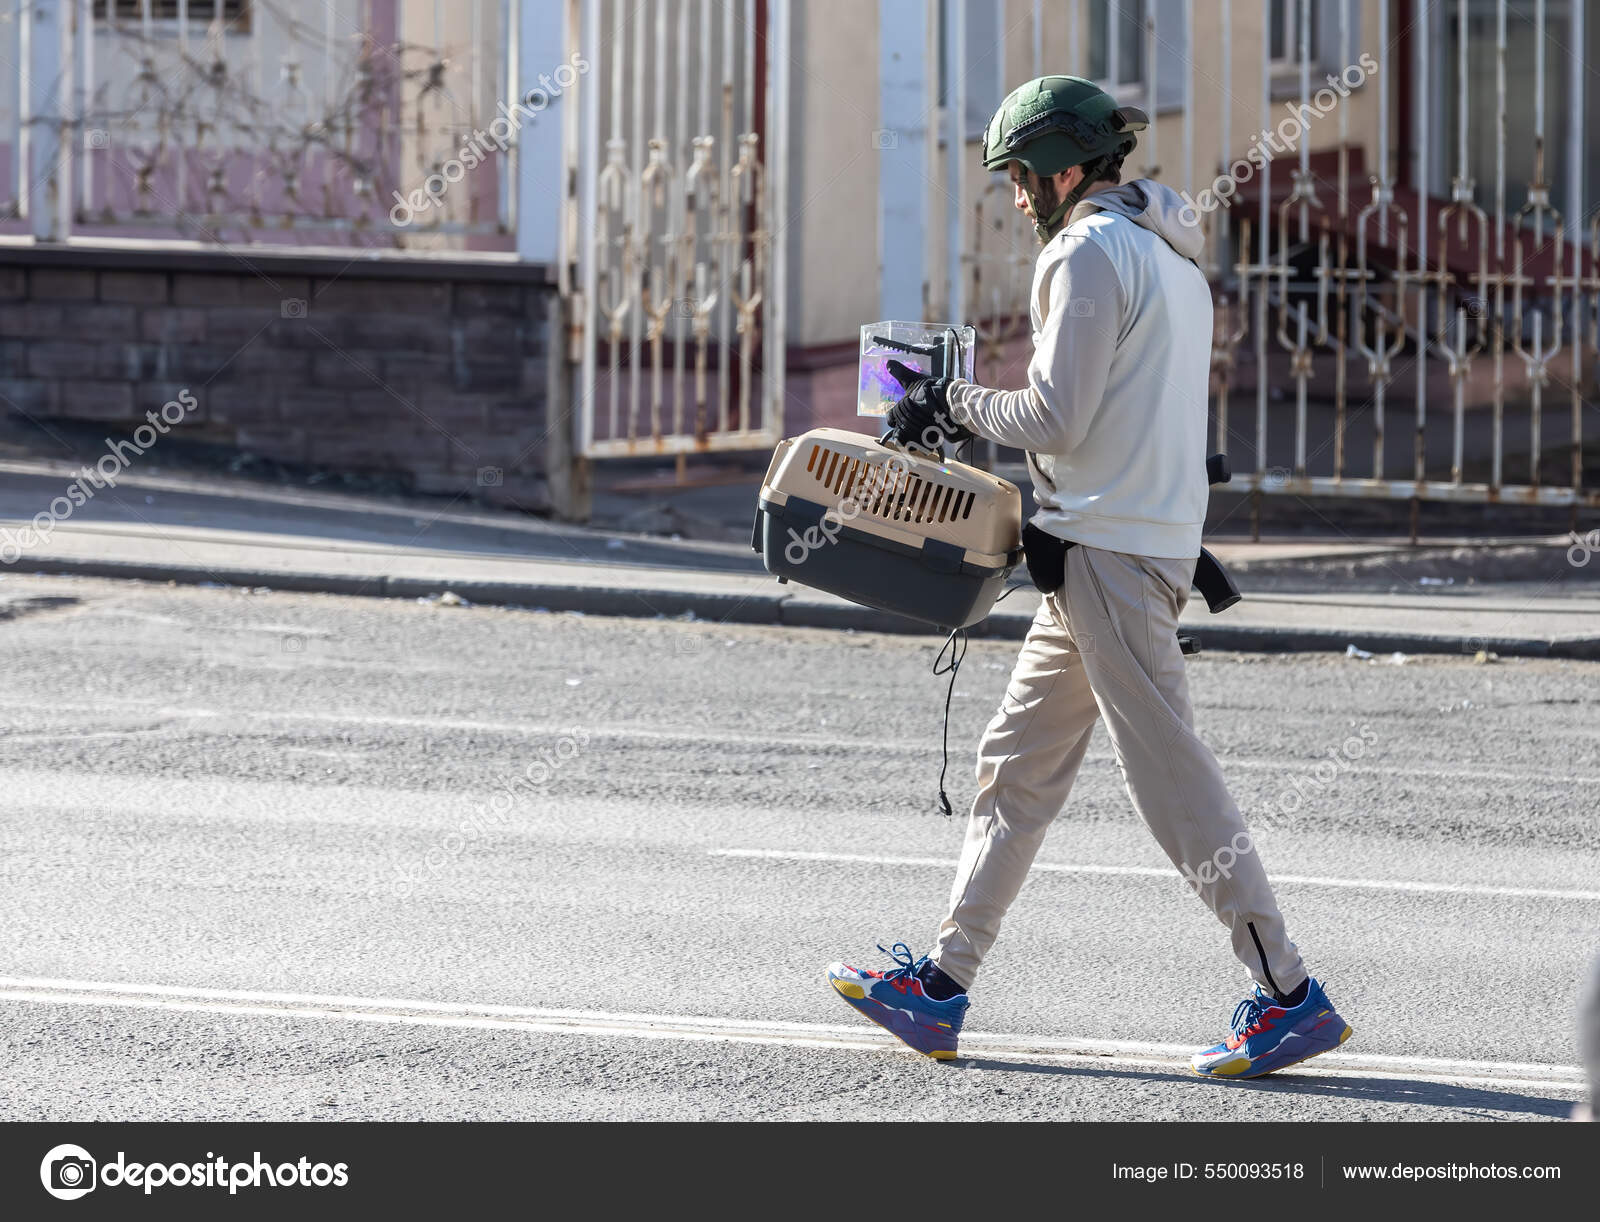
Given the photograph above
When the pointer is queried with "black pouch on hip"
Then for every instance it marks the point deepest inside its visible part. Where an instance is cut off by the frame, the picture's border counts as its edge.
(1046, 557)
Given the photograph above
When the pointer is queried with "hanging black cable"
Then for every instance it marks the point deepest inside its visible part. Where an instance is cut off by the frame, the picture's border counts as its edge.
(956, 645)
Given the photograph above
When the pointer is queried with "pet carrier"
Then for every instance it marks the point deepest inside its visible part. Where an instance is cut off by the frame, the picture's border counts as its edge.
(888, 527)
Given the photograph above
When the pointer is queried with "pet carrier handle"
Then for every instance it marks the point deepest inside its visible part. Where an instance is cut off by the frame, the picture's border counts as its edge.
(895, 441)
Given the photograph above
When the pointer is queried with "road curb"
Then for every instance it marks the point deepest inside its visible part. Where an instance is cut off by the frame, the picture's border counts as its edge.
(598, 600)
(782, 607)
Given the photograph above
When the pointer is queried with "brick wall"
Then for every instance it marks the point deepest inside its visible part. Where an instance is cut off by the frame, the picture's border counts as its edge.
(433, 370)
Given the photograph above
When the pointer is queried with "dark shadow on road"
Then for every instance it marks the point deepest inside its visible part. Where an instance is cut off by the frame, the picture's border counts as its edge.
(16, 608)
(1417, 1091)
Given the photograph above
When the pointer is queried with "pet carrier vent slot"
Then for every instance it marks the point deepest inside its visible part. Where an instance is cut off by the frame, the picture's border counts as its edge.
(848, 480)
(887, 491)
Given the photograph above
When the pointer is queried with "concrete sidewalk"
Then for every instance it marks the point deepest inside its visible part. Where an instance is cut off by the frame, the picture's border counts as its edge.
(196, 531)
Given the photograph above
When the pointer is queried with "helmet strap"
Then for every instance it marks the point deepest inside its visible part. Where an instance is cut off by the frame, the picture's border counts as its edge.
(1046, 226)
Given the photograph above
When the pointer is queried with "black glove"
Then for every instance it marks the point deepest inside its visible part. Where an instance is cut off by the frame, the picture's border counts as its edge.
(922, 416)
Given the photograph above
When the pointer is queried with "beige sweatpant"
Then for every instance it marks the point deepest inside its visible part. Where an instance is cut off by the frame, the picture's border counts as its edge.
(1105, 645)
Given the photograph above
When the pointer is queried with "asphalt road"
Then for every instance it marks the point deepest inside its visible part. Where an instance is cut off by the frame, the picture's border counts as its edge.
(267, 856)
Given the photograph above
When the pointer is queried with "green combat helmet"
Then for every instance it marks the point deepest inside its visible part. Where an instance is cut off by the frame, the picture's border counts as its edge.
(1056, 122)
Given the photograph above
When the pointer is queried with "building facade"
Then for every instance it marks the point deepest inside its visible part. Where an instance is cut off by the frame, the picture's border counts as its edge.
(655, 228)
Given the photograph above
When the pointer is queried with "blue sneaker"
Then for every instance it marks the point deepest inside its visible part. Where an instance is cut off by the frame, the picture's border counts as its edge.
(897, 1002)
(1268, 1036)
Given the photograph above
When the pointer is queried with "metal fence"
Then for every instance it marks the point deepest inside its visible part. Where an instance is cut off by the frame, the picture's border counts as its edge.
(1471, 292)
(454, 125)
(1430, 338)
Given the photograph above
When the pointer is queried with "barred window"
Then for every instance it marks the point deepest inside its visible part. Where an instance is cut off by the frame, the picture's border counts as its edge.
(1285, 23)
(235, 13)
(1116, 42)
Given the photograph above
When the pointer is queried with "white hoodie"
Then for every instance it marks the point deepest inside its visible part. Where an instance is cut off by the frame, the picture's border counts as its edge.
(1114, 415)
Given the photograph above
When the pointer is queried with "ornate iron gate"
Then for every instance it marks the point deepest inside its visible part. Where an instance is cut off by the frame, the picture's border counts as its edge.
(676, 169)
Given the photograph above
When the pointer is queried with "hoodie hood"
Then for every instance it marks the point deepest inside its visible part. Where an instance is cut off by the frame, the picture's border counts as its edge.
(1154, 206)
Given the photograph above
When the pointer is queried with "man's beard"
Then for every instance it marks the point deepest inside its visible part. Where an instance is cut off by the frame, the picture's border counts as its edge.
(1045, 192)
(1046, 199)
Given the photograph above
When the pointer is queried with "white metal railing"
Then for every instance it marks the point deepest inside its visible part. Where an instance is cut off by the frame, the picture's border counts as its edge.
(1478, 299)
(678, 313)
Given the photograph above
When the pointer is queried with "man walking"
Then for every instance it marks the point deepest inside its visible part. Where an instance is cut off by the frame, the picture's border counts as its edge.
(1114, 423)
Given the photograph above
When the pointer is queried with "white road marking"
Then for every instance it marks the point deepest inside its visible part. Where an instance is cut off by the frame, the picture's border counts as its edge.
(527, 729)
(1357, 884)
(1170, 1058)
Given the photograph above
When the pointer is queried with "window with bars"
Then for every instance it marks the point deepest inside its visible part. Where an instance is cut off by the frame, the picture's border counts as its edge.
(234, 13)
(1116, 43)
(1523, 36)
(1286, 19)
(981, 58)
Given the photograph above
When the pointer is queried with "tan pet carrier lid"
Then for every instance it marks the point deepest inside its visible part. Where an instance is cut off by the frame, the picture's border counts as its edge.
(900, 495)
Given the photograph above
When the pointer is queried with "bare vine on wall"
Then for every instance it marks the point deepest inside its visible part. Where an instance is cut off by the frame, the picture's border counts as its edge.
(211, 140)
